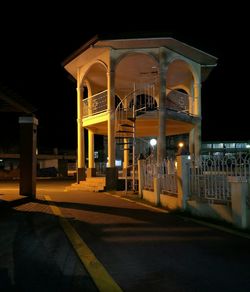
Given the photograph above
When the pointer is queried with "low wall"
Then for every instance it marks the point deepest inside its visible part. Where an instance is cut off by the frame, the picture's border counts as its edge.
(149, 196)
(166, 200)
(169, 201)
(216, 211)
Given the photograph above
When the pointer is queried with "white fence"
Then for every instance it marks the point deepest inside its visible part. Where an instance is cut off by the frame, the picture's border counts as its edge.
(209, 176)
(165, 172)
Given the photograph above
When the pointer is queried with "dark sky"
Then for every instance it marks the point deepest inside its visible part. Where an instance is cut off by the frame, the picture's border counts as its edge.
(34, 44)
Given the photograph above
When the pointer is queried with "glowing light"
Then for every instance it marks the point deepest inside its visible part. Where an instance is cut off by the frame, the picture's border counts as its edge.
(181, 144)
(153, 142)
(248, 146)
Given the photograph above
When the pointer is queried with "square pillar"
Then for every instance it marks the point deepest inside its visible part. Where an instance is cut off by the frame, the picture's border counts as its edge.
(182, 180)
(239, 192)
(28, 160)
(162, 114)
(111, 178)
(91, 171)
(80, 137)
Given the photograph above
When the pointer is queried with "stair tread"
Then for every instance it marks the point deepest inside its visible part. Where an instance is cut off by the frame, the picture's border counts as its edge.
(124, 131)
(127, 125)
(125, 143)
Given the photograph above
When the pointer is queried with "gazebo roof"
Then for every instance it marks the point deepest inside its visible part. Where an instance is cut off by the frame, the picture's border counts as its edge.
(206, 60)
(146, 42)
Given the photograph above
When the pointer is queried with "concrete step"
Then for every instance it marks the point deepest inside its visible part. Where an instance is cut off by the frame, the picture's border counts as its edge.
(92, 184)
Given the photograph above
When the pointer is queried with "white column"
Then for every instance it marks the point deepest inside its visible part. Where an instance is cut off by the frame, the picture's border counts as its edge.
(161, 143)
(239, 192)
(182, 180)
(91, 146)
(197, 111)
(111, 119)
(80, 135)
(125, 153)
(191, 142)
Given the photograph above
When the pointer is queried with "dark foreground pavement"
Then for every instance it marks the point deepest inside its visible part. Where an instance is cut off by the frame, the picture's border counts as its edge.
(35, 254)
(143, 250)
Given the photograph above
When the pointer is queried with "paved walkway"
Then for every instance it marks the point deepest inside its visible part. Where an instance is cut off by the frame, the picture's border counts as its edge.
(140, 248)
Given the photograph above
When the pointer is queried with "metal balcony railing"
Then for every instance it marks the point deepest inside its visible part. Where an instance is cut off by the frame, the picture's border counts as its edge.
(95, 104)
(178, 101)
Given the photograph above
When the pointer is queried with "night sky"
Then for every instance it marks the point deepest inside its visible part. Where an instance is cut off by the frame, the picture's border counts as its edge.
(34, 44)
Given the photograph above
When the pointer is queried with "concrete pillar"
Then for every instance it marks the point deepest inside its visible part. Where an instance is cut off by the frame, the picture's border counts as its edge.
(91, 171)
(111, 119)
(157, 190)
(28, 161)
(239, 192)
(111, 170)
(141, 165)
(125, 156)
(197, 111)
(182, 180)
(161, 143)
(191, 142)
(80, 137)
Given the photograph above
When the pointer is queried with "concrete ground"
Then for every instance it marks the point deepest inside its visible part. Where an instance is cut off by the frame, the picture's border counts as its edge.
(142, 249)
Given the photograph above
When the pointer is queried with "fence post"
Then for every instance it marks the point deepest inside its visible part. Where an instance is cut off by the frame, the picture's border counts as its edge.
(239, 192)
(182, 180)
(141, 165)
(157, 190)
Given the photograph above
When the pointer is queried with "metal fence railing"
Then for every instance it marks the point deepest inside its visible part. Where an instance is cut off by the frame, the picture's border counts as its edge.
(209, 176)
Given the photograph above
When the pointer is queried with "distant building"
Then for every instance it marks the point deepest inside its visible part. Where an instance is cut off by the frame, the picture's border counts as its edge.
(222, 147)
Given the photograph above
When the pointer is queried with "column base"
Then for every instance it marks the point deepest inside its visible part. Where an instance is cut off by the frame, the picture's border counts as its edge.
(80, 174)
(91, 172)
(27, 193)
(111, 178)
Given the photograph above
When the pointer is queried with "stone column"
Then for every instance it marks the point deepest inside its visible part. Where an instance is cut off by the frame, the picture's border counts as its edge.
(182, 180)
(197, 111)
(125, 156)
(141, 182)
(161, 143)
(111, 170)
(28, 160)
(191, 142)
(239, 192)
(111, 119)
(91, 171)
(80, 137)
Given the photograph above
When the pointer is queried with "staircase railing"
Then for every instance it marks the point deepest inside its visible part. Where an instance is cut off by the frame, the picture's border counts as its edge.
(138, 102)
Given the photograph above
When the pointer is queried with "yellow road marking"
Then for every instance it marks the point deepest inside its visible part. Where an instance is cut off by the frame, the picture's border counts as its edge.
(98, 273)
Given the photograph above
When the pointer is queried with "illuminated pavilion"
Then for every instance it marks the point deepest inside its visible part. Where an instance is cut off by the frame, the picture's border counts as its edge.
(136, 88)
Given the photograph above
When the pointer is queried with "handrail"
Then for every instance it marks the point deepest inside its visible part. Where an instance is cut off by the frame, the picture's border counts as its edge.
(95, 104)
(99, 93)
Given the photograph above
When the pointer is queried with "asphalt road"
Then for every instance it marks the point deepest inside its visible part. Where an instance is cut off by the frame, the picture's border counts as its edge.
(142, 249)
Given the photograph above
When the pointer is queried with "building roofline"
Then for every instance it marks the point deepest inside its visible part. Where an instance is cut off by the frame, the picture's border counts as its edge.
(83, 48)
